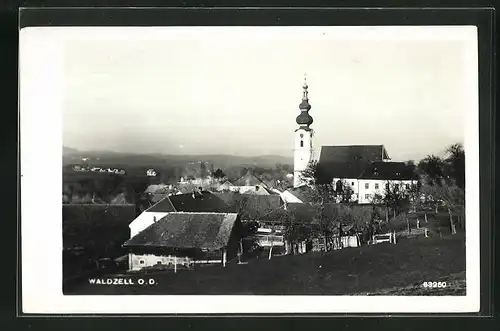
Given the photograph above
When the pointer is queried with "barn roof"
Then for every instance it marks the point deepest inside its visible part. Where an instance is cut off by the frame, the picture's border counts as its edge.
(348, 161)
(203, 201)
(388, 171)
(250, 206)
(187, 230)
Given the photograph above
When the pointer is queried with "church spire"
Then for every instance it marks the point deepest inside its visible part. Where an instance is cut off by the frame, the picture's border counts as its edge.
(304, 119)
(305, 93)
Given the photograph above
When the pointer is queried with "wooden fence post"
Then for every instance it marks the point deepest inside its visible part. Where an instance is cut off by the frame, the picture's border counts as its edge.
(394, 234)
(426, 233)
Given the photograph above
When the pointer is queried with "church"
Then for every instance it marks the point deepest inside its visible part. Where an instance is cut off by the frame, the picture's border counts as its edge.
(367, 169)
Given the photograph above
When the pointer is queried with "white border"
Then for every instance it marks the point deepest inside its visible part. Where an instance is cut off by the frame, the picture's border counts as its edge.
(41, 62)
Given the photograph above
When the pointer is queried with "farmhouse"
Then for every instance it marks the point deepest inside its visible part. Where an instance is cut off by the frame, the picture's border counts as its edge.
(247, 184)
(186, 239)
(366, 169)
(260, 210)
(198, 201)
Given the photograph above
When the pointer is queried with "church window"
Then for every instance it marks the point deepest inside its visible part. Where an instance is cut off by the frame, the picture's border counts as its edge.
(302, 143)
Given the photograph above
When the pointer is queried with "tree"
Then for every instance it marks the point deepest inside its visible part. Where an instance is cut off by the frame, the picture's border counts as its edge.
(294, 231)
(447, 194)
(396, 197)
(455, 164)
(433, 168)
(203, 170)
(322, 190)
(219, 174)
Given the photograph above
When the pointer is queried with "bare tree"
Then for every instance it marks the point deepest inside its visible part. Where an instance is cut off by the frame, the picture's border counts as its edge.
(449, 195)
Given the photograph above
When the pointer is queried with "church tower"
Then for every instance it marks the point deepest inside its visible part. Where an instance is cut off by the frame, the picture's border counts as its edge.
(303, 140)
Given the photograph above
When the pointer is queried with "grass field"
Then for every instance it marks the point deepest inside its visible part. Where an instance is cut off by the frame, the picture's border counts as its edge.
(383, 269)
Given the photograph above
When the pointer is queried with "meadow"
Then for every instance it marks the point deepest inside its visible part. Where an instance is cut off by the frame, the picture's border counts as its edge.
(383, 269)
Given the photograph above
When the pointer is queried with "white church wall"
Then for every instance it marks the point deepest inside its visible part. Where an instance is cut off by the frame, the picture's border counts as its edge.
(302, 153)
(368, 188)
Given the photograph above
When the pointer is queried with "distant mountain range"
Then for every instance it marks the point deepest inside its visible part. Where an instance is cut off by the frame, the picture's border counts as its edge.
(105, 158)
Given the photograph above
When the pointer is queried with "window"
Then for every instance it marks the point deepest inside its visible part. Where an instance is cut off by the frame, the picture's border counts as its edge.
(376, 186)
(407, 186)
(367, 196)
(352, 183)
(396, 186)
(158, 262)
(141, 261)
(367, 185)
(302, 143)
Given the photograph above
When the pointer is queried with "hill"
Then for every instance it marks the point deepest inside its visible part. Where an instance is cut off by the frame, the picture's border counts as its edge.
(382, 269)
(109, 158)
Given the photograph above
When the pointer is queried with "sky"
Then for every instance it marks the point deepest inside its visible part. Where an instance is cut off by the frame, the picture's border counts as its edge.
(225, 92)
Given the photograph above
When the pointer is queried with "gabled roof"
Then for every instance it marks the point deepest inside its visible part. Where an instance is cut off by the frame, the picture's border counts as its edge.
(158, 197)
(200, 202)
(187, 230)
(248, 179)
(258, 190)
(303, 193)
(162, 206)
(251, 207)
(389, 171)
(348, 161)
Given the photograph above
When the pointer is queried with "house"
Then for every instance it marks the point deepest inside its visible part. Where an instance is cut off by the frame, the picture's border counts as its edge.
(376, 177)
(198, 201)
(261, 210)
(186, 239)
(248, 184)
(344, 232)
(151, 173)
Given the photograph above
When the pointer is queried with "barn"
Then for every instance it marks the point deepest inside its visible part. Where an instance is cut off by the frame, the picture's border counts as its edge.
(186, 239)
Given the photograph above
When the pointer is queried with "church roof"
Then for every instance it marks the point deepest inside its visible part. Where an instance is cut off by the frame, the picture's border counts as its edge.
(389, 171)
(348, 161)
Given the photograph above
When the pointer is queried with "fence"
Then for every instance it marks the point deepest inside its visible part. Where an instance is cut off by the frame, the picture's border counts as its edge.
(389, 237)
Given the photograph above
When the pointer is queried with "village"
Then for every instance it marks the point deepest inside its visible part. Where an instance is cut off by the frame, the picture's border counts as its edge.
(337, 201)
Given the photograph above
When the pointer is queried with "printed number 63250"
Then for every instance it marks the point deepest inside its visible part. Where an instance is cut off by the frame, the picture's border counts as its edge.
(434, 284)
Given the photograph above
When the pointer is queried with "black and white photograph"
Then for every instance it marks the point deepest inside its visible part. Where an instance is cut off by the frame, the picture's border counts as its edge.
(250, 169)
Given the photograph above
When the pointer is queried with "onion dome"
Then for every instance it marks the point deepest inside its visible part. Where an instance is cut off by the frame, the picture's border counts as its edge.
(304, 118)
